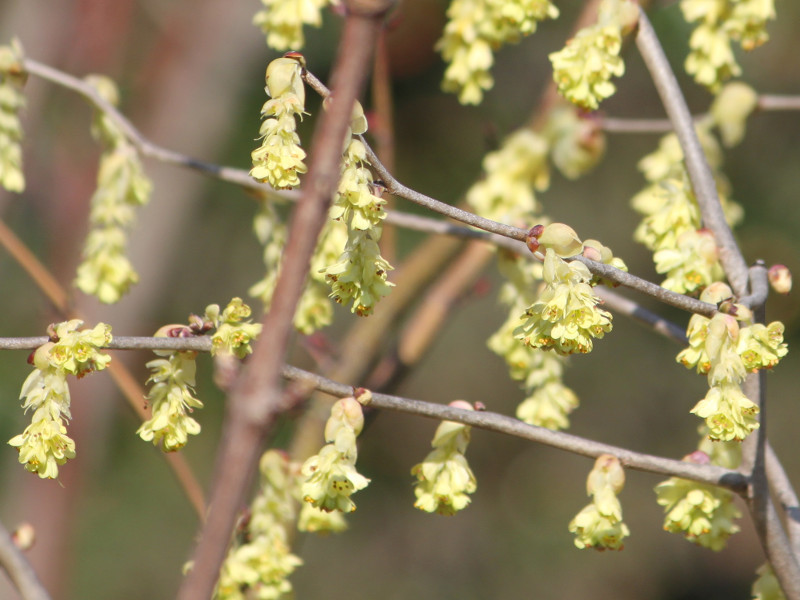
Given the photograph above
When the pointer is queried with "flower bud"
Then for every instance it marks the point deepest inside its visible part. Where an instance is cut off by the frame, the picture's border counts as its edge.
(730, 110)
(283, 77)
(24, 536)
(716, 293)
(559, 237)
(780, 278)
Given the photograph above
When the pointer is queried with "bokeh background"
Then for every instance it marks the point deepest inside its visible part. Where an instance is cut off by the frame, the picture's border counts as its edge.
(116, 525)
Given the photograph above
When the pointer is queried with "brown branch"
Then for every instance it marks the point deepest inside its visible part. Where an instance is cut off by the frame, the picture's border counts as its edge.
(255, 402)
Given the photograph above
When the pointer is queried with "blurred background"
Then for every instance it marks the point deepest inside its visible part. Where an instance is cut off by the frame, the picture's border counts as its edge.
(116, 525)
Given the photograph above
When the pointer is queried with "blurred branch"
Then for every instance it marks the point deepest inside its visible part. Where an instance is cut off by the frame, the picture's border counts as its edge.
(696, 164)
(147, 148)
(127, 384)
(19, 570)
(255, 402)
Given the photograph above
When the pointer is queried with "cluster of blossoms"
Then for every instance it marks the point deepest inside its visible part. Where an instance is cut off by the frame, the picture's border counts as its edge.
(122, 186)
(172, 397)
(703, 514)
(444, 478)
(732, 105)
(507, 194)
(476, 27)
(565, 317)
(577, 141)
(548, 401)
(260, 562)
(720, 22)
(671, 226)
(513, 172)
(12, 101)
(282, 21)
(331, 475)
(583, 69)
(599, 525)
(279, 159)
(725, 351)
(45, 444)
(315, 309)
(359, 274)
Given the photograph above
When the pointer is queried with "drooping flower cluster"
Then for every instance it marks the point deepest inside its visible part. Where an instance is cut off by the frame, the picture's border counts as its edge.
(766, 587)
(172, 400)
(315, 309)
(44, 445)
(279, 159)
(721, 22)
(476, 27)
(565, 317)
(331, 475)
(444, 479)
(260, 562)
(122, 186)
(12, 101)
(599, 525)
(733, 104)
(513, 172)
(577, 141)
(726, 351)
(583, 69)
(172, 396)
(548, 401)
(671, 227)
(506, 194)
(233, 333)
(359, 275)
(703, 514)
(282, 21)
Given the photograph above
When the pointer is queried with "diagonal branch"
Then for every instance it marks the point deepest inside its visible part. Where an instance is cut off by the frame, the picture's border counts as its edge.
(700, 174)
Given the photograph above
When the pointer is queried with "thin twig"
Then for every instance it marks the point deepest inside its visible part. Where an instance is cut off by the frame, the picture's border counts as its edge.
(19, 570)
(490, 421)
(147, 148)
(696, 164)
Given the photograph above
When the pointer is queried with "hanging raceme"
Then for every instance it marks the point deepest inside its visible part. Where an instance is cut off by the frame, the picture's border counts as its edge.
(44, 445)
(282, 21)
(122, 186)
(703, 514)
(331, 475)
(599, 525)
(444, 479)
(477, 27)
(671, 226)
(279, 159)
(12, 101)
(583, 69)
(260, 561)
(172, 396)
(565, 317)
(360, 273)
(726, 348)
(719, 23)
